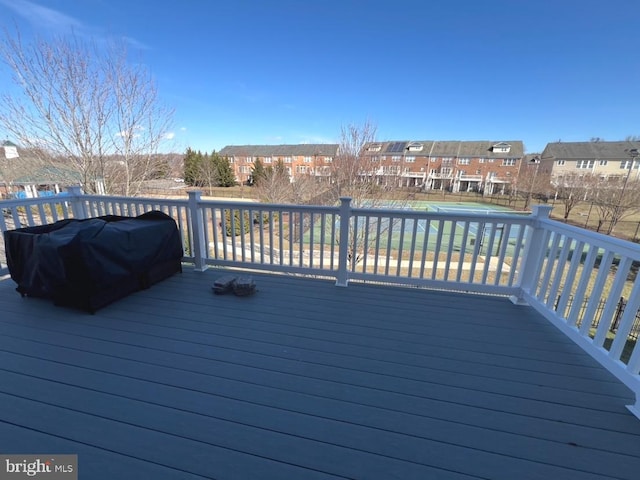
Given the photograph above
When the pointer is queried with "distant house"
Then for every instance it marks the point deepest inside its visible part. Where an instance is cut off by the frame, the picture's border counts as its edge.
(487, 166)
(44, 182)
(25, 176)
(608, 160)
(304, 159)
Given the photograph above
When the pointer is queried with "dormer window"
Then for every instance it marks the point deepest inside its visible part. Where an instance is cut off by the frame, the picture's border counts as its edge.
(415, 147)
(374, 147)
(501, 147)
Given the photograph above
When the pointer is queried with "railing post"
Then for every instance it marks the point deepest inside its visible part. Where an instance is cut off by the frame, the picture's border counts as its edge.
(197, 231)
(77, 203)
(342, 278)
(535, 253)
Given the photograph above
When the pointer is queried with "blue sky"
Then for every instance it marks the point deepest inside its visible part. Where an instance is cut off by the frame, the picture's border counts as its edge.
(295, 71)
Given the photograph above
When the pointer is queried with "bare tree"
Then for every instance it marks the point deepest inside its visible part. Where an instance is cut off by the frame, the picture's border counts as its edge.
(274, 185)
(86, 105)
(351, 174)
(306, 190)
(615, 201)
(532, 182)
(368, 185)
(572, 189)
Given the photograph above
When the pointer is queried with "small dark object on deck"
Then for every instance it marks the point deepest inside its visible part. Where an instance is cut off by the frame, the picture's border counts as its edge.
(224, 285)
(244, 286)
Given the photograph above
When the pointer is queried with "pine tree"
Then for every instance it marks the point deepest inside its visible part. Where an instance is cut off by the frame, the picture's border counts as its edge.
(191, 167)
(258, 172)
(224, 172)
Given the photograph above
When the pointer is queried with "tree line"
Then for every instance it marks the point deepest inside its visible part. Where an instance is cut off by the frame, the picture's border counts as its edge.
(207, 170)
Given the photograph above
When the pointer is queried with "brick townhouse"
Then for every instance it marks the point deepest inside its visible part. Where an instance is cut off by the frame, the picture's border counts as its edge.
(305, 159)
(486, 166)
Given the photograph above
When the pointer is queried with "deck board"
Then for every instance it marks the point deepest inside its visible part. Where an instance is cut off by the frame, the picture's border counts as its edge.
(308, 380)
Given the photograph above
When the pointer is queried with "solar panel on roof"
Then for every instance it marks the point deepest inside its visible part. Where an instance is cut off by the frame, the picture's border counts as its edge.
(396, 147)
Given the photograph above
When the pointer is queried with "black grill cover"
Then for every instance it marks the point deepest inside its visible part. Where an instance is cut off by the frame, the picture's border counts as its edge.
(73, 261)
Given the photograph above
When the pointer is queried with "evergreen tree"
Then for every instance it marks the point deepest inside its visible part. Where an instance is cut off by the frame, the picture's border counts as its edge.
(224, 172)
(258, 172)
(191, 167)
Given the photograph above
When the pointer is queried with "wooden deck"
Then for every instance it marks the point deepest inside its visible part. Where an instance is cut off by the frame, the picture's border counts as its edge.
(306, 380)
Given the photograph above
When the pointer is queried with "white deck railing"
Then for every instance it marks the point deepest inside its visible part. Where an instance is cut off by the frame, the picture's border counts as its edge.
(564, 272)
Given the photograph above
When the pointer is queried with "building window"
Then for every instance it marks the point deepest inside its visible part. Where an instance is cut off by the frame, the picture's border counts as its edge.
(375, 147)
(559, 162)
(302, 169)
(481, 160)
(396, 158)
(626, 164)
(585, 164)
(478, 172)
(244, 169)
(602, 163)
(508, 162)
(501, 147)
(308, 159)
(415, 147)
(328, 159)
(267, 159)
(463, 161)
(491, 160)
(373, 159)
(249, 159)
(433, 159)
(410, 159)
(287, 159)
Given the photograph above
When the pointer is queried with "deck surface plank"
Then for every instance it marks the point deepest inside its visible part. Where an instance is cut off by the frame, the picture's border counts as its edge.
(308, 380)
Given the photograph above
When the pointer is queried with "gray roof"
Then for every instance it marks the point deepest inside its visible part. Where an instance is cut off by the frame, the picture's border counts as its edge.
(589, 150)
(453, 148)
(306, 149)
(50, 175)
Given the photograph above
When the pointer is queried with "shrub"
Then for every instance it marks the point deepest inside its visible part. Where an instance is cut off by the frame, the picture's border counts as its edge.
(238, 227)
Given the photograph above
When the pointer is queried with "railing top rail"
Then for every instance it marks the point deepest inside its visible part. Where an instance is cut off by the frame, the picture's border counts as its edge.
(114, 198)
(21, 202)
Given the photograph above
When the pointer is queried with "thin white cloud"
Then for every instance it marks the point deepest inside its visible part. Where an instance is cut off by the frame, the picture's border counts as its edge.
(43, 17)
(170, 135)
(135, 43)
